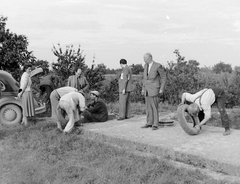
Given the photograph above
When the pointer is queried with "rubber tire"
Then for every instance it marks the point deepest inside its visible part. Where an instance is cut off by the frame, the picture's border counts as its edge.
(11, 107)
(183, 122)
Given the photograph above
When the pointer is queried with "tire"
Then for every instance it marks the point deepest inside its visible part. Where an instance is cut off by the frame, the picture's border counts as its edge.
(183, 122)
(10, 114)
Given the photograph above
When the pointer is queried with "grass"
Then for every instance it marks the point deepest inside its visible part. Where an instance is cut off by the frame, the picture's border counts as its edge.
(37, 154)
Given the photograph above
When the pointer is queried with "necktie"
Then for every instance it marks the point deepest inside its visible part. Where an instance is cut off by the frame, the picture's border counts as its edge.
(147, 68)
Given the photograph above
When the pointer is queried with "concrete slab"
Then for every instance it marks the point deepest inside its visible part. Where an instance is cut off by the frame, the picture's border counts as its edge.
(209, 149)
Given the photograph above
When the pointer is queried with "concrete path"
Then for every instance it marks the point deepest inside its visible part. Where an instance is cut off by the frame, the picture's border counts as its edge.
(209, 149)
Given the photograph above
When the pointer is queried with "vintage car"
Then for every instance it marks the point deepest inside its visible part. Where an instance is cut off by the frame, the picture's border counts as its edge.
(10, 105)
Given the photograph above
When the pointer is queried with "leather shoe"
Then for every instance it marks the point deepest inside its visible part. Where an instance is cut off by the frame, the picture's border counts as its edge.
(119, 119)
(227, 132)
(146, 126)
(154, 128)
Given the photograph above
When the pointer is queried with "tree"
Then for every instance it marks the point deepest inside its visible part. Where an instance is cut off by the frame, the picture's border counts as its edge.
(95, 76)
(136, 69)
(181, 76)
(67, 62)
(13, 50)
(222, 67)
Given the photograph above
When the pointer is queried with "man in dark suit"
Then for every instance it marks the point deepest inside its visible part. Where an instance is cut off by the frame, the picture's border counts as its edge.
(125, 87)
(78, 81)
(96, 110)
(154, 80)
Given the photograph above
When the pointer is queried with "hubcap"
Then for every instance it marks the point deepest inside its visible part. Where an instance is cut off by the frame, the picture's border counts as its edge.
(9, 115)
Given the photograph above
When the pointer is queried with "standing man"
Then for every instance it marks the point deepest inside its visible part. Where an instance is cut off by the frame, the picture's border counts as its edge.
(201, 103)
(125, 87)
(78, 81)
(73, 104)
(96, 111)
(154, 80)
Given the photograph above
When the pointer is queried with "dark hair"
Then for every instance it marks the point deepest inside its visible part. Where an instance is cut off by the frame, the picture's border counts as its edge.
(26, 66)
(123, 61)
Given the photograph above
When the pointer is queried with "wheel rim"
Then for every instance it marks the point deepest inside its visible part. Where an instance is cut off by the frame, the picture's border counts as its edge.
(9, 115)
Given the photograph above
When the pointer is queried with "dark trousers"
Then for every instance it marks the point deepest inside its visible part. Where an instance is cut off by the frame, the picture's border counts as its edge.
(90, 117)
(152, 103)
(124, 105)
(48, 90)
(220, 100)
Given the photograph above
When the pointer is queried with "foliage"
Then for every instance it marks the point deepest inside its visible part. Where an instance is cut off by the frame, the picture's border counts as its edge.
(182, 76)
(110, 91)
(13, 50)
(222, 67)
(95, 77)
(137, 68)
(67, 62)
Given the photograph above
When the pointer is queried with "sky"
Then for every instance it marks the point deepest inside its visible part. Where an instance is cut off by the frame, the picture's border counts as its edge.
(207, 31)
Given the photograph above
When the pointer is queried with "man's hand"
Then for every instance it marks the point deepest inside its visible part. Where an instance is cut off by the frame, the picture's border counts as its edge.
(123, 91)
(198, 127)
(142, 92)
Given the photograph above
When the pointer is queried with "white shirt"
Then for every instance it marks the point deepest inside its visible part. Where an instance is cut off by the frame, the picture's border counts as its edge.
(207, 99)
(64, 90)
(25, 82)
(74, 99)
(150, 66)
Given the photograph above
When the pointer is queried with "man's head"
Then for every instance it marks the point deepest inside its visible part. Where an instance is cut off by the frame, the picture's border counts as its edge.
(94, 94)
(193, 109)
(147, 58)
(78, 72)
(123, 62)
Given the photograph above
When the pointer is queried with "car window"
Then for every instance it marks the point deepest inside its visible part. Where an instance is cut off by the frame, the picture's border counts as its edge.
(2, 86)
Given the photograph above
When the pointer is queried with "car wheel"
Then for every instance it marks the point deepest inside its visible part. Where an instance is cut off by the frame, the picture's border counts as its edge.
(10, 114)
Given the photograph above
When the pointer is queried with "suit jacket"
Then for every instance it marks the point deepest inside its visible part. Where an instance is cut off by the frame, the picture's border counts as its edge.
(155, 80)
(126, 81)
(99, 110)
(79, 83)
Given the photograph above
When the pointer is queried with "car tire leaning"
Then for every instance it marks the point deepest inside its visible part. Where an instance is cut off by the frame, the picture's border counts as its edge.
(10, 114)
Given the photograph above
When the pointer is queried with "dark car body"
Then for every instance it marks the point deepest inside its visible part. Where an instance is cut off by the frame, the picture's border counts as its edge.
(10, 105)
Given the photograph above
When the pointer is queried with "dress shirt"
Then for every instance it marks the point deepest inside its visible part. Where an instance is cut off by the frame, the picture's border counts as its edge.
(149, 67)
(64, 90)
(74, 99)
(207, 99)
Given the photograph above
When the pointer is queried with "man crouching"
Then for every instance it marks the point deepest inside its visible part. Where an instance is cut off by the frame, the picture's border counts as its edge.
(73, 103)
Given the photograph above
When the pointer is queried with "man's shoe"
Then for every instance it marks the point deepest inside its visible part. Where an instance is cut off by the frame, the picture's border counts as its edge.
(227, 132)
(127, 117)
(146, 126)
(154, 128)
(119, 119)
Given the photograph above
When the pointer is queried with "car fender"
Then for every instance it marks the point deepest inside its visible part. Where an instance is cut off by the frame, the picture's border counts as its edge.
(10, 100)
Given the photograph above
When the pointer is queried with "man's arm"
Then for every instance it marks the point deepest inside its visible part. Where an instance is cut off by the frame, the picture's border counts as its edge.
(207, 115)
(87, 85)
(128, 74)
(163, 78)
(95, 108)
